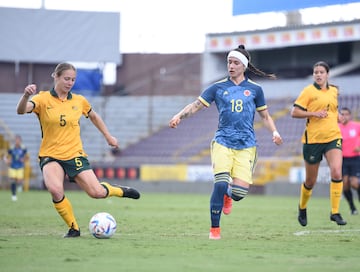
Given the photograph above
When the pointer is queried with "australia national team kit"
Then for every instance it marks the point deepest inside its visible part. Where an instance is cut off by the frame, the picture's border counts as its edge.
(55, 116)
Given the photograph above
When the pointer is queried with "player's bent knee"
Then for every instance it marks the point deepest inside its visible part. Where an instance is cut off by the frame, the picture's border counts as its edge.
(236, 198)
(238, 192)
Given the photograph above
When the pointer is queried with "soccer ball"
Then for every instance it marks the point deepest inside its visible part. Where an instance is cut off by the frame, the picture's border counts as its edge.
(102, 225)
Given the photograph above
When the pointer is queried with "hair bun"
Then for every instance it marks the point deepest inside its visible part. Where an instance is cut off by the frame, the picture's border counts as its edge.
(241, 46)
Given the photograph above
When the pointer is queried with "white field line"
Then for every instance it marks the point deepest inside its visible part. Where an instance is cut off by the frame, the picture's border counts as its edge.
(309, 232)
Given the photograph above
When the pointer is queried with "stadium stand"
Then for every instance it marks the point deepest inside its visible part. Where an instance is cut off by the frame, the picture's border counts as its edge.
(176, 145)
(189, 143)
(142, 144)
(128, 125)
(27, 127)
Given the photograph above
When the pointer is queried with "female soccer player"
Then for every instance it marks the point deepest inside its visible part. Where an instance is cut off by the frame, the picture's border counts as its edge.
(61, 152)
(318, 103)
(233, 149)
(17, 154)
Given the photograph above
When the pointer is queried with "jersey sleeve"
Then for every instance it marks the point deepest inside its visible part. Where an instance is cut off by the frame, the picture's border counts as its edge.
(208, 95)
(36, 100)
(86, 107)
(260, 103)
(302, 101)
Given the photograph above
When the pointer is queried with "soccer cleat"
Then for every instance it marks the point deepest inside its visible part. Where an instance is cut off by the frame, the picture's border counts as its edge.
(354, 212)
(128, 191)
(214, 234)
(302, 217)
(227, 204)
(14, 198)
(72, 233)
(336, 217)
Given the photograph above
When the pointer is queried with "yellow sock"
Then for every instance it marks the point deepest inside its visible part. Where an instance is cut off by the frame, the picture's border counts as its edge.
(65, 210)
(305, 195)
(112, 191)
(336, 188)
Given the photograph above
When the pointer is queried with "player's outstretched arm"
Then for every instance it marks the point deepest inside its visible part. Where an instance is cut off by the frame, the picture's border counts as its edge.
(100, 125)
(187, 111)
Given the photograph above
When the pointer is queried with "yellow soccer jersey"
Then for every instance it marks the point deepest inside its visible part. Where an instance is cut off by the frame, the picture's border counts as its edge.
(320, 130)
(60, 124)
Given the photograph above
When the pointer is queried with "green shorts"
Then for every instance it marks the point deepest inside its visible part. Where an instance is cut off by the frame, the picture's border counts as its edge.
(313, 153)
(71, 167)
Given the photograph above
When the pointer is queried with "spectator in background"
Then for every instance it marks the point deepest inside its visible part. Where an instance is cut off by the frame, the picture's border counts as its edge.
(350, 131)
(233, 150)
(318, 103)
(17, 154)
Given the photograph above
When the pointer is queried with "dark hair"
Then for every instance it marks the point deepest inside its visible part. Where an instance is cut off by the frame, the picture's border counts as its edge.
(346, 109)
(61, 67)
(251, 67)
(327, 68)
(323, 64)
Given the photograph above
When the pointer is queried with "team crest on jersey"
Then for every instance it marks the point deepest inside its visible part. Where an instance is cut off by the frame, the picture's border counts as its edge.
(247, 93)
(75, 108)
(226, 93)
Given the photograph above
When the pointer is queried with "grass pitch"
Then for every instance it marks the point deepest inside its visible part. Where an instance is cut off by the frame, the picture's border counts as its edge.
(169, 232)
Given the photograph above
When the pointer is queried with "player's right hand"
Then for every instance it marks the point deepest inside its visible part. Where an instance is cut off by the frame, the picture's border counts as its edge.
(30, 89)
(174, 122)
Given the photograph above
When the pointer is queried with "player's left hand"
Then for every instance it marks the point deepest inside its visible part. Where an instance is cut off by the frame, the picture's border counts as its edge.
(112, 141)
(277, 138)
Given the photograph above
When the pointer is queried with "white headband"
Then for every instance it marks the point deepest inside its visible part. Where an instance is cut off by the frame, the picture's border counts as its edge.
(239, 56)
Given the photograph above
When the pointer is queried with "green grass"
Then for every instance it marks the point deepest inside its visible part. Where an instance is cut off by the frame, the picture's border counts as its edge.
(169, 232)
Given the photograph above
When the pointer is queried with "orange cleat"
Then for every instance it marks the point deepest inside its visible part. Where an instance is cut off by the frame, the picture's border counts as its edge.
(215, 234)
(227, 204)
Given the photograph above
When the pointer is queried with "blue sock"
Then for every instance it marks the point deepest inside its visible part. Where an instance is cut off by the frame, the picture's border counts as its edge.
(229, 191)
(217, 202)
(13, 188)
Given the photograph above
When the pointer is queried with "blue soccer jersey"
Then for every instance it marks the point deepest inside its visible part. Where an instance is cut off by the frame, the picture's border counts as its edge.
(236, 105)
(17, 156)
